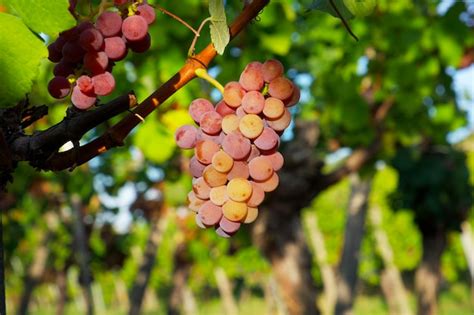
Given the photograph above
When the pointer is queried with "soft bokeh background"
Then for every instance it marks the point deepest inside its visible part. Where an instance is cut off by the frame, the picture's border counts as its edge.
(117, 228)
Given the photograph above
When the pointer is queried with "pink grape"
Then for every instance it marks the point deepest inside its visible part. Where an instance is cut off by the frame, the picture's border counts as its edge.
(281, 88)
(205, 150)
(267, 140)
(276, 159)
(295, 97)
(134, 28)
(81, 100)
(233, 94)
(96, 61)
(223, 109)
(272, 69)
(229, 226)
(251, 78)
(257, 197)
(254, 152)
(115, 48)
(198, 107)
(104, 83)
(236, 145)
(147, 12)
(240, 169)
(59, 87)
(260, 168)
(270, 184)
(186, 137)
(201, 188)
(209, 213)
(281, 123)
(217, 138)
(199, 222)
(253, 102)
(91, 39)
(211, 122)
(85, 84)
(222, 233)
(195, 167)
(240, 112)
(109, 23)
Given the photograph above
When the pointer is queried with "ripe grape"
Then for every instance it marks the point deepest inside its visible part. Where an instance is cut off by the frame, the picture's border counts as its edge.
(234, 210)
(194, 202)
(85, 84)
(201, 188)
(214, 178)
(229, 226)
(211, 122)
(272, 69)
(147, 12)
(95, 61)
(54, 54)
(276, 159)
(209, 213)
(240, 169)
(267, 140)
(230, 123)
(195, 167)
(82, 100)
(251, 78)
(281, 88)
(254, 152)
(236, 145)
(281, 123)
(186, 137)
(251, 126)
(199, 222)
(91, 39)
(295, 97)
(134, 28)
(204, 136)
(115, 48)
(270, 184)
(199, 107)
(218, 195)
(109, 23)
(257, 196)
(222, 162)
(59, 87)
(252, 214)
(223, 109)
(72, 52)
(104, 83)
(63, 69)
(260, 168)
(253, 102)
(205, 150)
(239, 189)
(222, 233)
(141, 45)
(233, 94)
(273, 108)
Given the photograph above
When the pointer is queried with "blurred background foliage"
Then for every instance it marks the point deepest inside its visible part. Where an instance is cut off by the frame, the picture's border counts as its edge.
(409, 55)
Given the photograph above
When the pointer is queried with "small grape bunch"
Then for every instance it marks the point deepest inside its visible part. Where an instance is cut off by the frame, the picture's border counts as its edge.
(236, 156)
(85, 54)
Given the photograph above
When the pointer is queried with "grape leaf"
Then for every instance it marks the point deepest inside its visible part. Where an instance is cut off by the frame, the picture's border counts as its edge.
(20, 55)
(220, 35)
(360, 8)
(325, 6)
(49, 17)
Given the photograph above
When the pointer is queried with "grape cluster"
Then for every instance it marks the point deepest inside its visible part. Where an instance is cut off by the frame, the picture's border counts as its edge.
(236, 156)
(85, 54)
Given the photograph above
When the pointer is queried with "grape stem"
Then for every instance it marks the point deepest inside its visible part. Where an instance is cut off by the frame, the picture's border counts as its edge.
(177, 18)
(193, 43)
(202, 73)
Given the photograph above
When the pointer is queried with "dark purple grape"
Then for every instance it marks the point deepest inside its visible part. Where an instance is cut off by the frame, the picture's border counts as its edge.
(140, 46)
(85, 84)
(147, 12)
(59, 87)
(115, 48)
(96, 61)
(73, 52)
(54, 54)
(109, 24)
(81, 100)
(134, 28)
(104, 83)
(120, 2)
(63, 69)
(91, 39)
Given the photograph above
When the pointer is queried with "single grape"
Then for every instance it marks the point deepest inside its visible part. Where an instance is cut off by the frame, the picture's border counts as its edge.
(223, 109)
(211, 122)
(254, 152)
(91, 39)
(134, 28)
(281, 88)
(194, 203)
(270, 184)
(240, 169)
(205, 150)
(199, 222)
(147, 12)
(115, 48)
(251, 78)
(54, 54)
(257, 197)
(295, 97)
(63, 69)
(209, 213)
(252, 214)
(276, 159)
(281, 123)
(236, 145)
(109, 23)
(201, 188)
(59, 87)
(234, 210)
(222, 162)
(273, 108)
(104, 83)
(218, 195)
(85, 84)
(186, 137)
(251, 126)
(217, 138)
(195, 167)
(141, 45)
(267, 140)
(230, 123)
(82, 100)
(222, 233)
(260, 168)
(272, 69)
(233, 94)
(228, 227)
(198, 107)
(96, 61)
(253, 102)
(72, 52)
(239, 189)
(214, 178)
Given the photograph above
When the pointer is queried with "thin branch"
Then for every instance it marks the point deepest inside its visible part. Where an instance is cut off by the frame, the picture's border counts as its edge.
(116, 134)
(193, 43)
(346, 25)
(180, 20)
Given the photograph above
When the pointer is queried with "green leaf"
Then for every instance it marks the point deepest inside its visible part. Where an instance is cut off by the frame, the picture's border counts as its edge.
(50, 17)
(325, 6)
(220, 35)
(20, 55)
(360, 8)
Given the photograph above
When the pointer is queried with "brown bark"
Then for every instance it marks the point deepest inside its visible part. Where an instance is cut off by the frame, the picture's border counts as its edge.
(354, 232)
(428, 275)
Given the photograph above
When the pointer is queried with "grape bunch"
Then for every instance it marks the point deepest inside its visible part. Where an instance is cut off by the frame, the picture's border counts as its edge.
(236, 156)
(85, 54)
